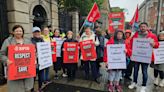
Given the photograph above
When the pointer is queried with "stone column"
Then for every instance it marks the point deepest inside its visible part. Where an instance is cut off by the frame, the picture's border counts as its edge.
(55, 19)
(75, 22)
(18, 13)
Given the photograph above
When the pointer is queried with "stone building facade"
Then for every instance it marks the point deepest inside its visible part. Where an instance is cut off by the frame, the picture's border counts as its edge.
(105, 10)
(31, 13)
(27, 13)
(148, 12)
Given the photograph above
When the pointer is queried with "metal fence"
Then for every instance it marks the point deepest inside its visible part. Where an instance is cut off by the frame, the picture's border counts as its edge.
(3, 21)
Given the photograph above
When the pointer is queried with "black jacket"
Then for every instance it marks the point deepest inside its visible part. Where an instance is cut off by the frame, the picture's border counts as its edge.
(67, 40)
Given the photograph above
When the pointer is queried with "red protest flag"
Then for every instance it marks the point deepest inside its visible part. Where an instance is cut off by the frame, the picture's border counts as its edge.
(53, 48)
(135, 18)
(23, 58)
(88, 50)
(71, 52)
(94, 13)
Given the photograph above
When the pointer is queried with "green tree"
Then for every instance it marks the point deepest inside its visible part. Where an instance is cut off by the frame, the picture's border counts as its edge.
(83, 6)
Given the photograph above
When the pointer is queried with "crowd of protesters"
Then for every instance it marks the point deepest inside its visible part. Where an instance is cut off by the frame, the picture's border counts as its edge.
(100, 40)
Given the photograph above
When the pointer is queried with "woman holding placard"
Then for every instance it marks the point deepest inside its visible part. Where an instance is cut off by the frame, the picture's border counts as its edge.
(46, 38)
(59, 62)
(115, 74)
(89, 38)
(21, 85)
(159, 68)
(70, 59)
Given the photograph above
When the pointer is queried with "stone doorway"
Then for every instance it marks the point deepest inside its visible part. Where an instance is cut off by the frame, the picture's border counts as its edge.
(40, 16)
(3, 21)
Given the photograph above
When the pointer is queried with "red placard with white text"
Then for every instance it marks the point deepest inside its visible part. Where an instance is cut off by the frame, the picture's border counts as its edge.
(88, 50)
(71, 52)
(53, 48)
(116, 21)
(23, 61)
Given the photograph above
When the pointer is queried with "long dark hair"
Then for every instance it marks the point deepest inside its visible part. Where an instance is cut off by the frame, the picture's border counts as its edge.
(18, 26)
(115, 35)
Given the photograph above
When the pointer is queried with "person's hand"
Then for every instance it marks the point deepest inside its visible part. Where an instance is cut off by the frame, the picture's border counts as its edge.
(93, 59)
(9, 62)
(35, 62)
(152, 42)
(78, 37)
(125, 51)
(94, 42)
(63, 49)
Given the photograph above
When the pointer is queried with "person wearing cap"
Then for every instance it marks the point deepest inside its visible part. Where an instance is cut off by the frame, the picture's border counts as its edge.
(159, 68)
(130, 63)
(35, 39)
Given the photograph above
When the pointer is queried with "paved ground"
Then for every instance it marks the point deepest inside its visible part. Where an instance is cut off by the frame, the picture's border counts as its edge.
(81, 82)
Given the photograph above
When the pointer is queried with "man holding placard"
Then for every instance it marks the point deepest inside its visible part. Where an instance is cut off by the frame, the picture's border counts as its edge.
(142, 44)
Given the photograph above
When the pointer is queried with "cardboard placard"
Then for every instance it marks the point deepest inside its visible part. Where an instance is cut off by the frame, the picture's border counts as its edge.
(23, 58)
(116, 56)
(44, 55)
(53, 48)
(142, 50)
(88, 50)
(159, 54)
(71, 52)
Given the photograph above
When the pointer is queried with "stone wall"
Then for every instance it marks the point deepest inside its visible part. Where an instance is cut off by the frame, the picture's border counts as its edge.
(20, 12)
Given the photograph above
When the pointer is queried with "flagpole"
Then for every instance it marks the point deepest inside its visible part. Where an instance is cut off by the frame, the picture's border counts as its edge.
(86, 18)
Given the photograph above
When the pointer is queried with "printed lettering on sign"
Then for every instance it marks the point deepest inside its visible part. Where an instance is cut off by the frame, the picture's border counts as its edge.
(23, 58)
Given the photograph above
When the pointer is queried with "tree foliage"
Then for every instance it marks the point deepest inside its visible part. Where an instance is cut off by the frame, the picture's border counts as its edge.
(83, 6)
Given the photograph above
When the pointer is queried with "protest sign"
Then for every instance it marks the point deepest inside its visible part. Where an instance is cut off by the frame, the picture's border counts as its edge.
(116, 56)
(59, 42)
(44, 55)
(142, 50)
(116, 21)
(53, 49)
(23, 61)
(159, 54)
(71, 52)
(88, 50)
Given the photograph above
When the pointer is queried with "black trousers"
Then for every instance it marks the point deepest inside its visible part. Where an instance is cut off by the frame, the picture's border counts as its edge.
(160, 73)
(71, 70)
(128, 71)
(94, 69)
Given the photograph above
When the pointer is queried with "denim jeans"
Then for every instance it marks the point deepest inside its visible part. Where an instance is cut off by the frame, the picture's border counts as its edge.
(115, 75)
(144, 72)
(46, 74)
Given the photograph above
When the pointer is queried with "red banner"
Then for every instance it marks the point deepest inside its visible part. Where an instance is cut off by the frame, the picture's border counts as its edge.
(53, 48)
(23, 58)
(71, 52)
(135, 18)
(116, 21)
(88, 50)
(94, 14)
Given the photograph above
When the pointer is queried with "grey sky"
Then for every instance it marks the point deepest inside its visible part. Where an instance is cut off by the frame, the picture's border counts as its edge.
(128, 4)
